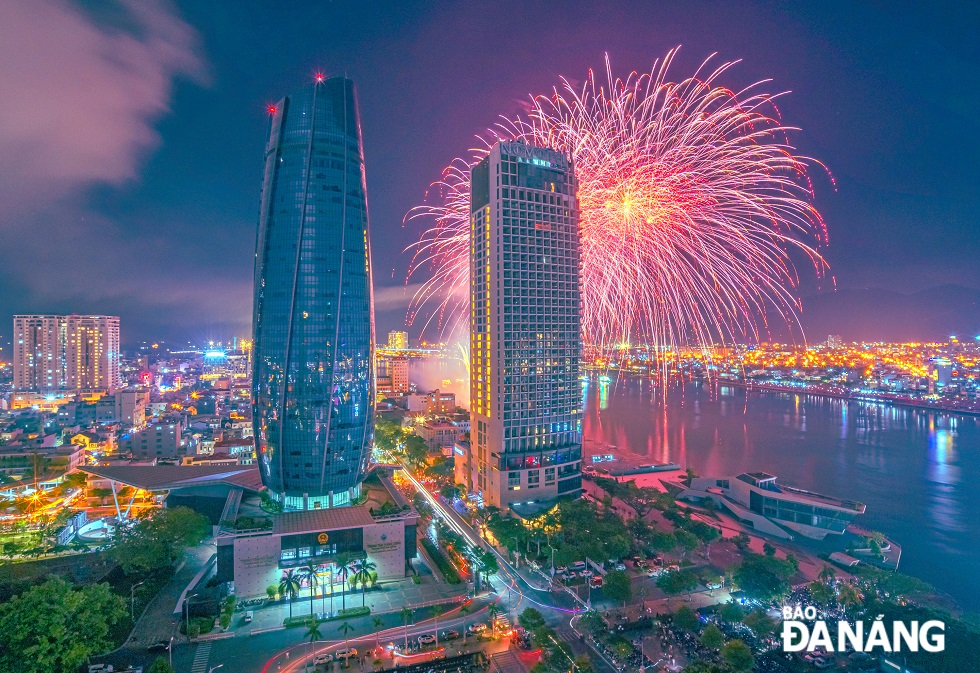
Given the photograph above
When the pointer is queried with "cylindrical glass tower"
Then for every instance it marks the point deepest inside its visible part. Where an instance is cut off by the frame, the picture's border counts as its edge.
(313, 321)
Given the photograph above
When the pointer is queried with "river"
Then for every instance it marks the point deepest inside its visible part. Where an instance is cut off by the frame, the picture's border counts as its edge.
(918, 471)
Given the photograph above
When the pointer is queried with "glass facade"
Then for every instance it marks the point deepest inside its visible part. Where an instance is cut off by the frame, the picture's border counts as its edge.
(313, 382)
(791, 511)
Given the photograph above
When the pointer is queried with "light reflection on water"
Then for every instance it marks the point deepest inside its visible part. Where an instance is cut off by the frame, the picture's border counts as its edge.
(916, 470)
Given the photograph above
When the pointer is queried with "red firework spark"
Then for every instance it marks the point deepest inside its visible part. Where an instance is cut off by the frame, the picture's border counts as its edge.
(691, 201)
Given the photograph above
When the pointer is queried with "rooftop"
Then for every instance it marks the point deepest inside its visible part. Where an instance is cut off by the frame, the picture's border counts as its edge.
(322, 519)
(170, 477)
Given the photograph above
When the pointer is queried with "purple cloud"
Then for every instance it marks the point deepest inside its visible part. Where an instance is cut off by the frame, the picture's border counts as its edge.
(79, 93)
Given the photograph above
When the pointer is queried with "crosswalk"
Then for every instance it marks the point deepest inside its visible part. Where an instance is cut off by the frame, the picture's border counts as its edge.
(201, 657)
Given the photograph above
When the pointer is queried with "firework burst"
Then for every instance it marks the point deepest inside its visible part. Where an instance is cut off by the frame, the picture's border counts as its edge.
(692, 204)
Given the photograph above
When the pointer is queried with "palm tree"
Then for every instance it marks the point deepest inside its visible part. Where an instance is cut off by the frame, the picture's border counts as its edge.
(313, 634)
(827, 573)
(289, 587)
(464, 609)
(364, 576)
(308, 574)
(346, 628)
(347, 568)
(378, 623)
(848, 596)
(493, 610)
(406, 615)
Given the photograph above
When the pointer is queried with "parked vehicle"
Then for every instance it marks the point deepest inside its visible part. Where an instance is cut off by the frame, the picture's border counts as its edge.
(620, 566)
(345, 653)
(324, 658)
(476, 628)
(596, 581)
(248, 616)
(100, 668)
(426, 639)
(449, 635)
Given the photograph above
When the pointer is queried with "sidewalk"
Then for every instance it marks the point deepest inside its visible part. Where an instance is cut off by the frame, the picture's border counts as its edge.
(389, 596)
(158, 621)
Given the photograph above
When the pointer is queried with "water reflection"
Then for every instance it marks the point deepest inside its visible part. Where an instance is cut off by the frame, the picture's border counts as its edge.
(911, 467)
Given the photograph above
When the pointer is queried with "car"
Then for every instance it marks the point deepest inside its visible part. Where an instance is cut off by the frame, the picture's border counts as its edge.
(713, 585)
(345, 653)
(100, 668)
(449, 635)
(561, 569)
(426, 639)
(597, 581)
(159, 646)
(656, 572)
(620, 566)
(479, 627)
(248, 616)
(671, 568)
(578, 565)
(586, 573)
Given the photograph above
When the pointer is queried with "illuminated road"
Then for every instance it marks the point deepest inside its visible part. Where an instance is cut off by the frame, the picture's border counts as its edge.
(298, 657)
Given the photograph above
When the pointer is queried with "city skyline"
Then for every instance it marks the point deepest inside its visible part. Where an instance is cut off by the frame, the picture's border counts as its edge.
(891, 181)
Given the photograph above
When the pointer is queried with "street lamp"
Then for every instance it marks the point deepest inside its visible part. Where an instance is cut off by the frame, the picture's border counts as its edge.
(132, 600)
(187, 616)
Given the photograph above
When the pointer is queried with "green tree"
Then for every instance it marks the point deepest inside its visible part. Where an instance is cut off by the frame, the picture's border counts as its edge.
(742, 541)
(365, 575)
(583, 664)
(52, 627)
(617, 586)
(822, 593)
(346, 628)
(764, 577)
(685, 618)
(289, 586)
(677, 582)
(307, 574)
(493, 611)
(688, 541)
(416, 452)
(160, 665)
(768, 549)
(738, 655)
(489, 564)
(158, 540)
(406, 615)
(760, 622)
(272, 591)
(731, 612)
(663, 542)
(531, 619)
(712, 637)
(848, 596)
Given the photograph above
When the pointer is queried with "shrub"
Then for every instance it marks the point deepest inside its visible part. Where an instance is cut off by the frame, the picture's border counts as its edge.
(445, 567)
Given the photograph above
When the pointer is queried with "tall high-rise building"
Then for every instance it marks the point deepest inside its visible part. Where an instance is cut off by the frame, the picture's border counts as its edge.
(398, 340)
(69, 353)
(525, 329)
(313, 384)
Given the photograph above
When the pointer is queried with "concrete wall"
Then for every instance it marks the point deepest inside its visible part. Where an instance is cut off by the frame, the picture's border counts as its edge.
(385, 546)
(256, 564)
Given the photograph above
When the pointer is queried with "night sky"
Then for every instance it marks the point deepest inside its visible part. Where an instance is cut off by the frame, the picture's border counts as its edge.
(131, 138)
